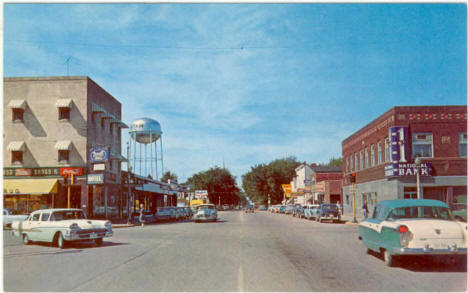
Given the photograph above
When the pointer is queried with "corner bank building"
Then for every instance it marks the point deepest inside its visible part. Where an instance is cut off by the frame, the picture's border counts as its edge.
(382, 156)
(50, 125)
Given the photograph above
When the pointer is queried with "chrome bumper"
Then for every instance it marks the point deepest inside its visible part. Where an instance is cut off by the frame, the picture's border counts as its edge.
(87, 236)
(429, 251)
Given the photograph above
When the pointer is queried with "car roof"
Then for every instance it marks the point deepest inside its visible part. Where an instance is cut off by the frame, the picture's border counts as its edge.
(398, 203)
(56, 210)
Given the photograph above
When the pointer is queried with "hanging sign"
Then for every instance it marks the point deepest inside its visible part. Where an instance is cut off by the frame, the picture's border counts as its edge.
(99, 154)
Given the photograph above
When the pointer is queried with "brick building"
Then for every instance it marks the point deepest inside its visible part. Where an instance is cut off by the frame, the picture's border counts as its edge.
(50, 125)
(326, 184)
(382, 156)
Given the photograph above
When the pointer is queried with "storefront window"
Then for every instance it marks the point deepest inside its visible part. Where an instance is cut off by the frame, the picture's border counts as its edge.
(422, 145)
(462, 145)
(410, 193)
(26, 203)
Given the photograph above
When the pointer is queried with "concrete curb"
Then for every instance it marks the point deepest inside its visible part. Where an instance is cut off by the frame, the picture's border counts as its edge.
(117, 226)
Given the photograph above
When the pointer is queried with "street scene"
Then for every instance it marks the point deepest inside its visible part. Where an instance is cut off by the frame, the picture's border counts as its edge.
(258, 251)
(221, 147)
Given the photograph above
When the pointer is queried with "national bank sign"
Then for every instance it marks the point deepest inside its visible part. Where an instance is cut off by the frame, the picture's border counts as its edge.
(424, 169)
(400, 154)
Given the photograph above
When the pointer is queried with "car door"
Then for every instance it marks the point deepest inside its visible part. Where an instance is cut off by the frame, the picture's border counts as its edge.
(370, 228)
(33, 227)
(43, 225)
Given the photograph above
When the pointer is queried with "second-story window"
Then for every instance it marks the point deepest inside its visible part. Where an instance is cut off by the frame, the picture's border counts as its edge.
(17, 157)
(379, 153)
(356, 162)
(367, 158)
(64, 113)
(64, 156)
(18, 114)
(372, 156)
(462, 145)
(422, 145)
(387, 150)
(361, 160)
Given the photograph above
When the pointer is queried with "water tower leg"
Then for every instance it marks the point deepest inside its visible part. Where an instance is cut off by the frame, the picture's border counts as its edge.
(156, 159)
(162, 160)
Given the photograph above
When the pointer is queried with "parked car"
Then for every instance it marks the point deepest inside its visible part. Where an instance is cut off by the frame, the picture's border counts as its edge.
(60, 226)
(328, 211)
(289, 209)
(310, 211)
(226, 207)
(188, 212)
(206, 212)
(163, 213)
(262, 208)
(10, 215)
(282, 209)
(297, 210)
(147, 215)
(249, 209)
(181, 212)
(413, 227)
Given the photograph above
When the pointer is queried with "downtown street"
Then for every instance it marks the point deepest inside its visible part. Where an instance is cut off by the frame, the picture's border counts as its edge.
(259, 251)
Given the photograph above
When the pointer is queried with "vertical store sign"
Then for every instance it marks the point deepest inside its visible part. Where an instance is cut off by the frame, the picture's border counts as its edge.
(399, 144)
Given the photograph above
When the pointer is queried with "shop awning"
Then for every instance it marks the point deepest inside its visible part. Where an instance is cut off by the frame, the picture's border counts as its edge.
(96, 108)
(63, 103)
(29, 186)
(16, 146)
(17, 104)
(63, 145)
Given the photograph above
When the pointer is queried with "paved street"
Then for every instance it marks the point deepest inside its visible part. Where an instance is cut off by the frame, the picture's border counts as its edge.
(240, 252)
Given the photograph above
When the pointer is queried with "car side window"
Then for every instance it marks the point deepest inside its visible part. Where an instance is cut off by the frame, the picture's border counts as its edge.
(35, 217)
(45, 217)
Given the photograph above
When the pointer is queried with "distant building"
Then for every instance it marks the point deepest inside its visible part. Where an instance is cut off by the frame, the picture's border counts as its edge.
(50, 126)
(382, 155)
(326, 183)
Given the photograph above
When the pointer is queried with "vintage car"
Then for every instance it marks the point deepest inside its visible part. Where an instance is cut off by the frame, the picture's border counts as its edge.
(206, 212)
(188, 212)
(60, 226)
(327, 211)
(310, 211)
(163, 213)
(148, 216)
(10, 215)
(249, 209)
(412, 227)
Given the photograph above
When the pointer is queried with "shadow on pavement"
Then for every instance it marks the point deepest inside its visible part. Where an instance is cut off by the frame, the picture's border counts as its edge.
(429, 264)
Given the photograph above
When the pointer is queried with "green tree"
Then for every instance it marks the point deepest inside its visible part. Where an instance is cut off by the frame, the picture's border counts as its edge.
(219, 183)
(263, 180)
(169, 176)
(335, 162)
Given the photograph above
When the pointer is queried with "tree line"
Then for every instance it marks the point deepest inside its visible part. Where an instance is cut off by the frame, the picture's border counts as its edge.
(261, 182)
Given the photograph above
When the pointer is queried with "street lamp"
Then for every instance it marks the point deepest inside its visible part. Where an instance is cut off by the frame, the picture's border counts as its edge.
(417, 161)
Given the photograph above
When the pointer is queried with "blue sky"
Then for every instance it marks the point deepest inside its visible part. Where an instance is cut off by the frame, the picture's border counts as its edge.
(248, 83)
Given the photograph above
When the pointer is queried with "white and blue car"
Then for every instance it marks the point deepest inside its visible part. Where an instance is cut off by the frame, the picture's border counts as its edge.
(413, 227)
(61, 226)
(206, 212)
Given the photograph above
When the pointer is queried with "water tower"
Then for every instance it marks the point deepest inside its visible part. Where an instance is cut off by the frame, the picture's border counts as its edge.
(144, 134)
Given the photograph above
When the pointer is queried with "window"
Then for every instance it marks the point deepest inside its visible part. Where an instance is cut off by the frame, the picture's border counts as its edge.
(372, 156)
(387, 150)
(64, 113)
(367, 158)
(63, 156)
(462, 145)
(347, 164)
(410, 193)
(17, 157)
(45, 217)
(352, 163)
(356, 162)
(379, 153)
(422, 145)
(361, 160)
(103, 123)
(18, 115)
(111, 165)
(35, 217)
(111, 128)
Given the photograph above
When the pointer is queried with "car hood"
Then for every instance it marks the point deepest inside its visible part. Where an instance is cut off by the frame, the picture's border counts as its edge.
(85, 224)
(434, 229)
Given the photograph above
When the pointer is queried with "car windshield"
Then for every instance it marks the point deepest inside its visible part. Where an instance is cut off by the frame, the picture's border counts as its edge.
(420, 213)
(205, 208)
(329, 207)
(67, 215)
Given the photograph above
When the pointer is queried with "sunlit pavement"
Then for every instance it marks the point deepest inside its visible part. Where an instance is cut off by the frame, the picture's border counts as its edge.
(240, 252)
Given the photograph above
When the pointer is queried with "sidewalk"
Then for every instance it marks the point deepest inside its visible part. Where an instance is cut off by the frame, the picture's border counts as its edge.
(348, 219)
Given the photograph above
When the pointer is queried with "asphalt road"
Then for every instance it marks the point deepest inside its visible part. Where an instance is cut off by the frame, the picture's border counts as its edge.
(240, 252)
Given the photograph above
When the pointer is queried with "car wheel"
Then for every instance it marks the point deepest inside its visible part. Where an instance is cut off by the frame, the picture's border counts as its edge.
(389, 259)
(98, 241)
(60, 241)
(26, 240)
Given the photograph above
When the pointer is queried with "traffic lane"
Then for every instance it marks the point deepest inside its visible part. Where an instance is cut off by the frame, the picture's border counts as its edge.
(225, 256)
(341, 262)
(43, 267)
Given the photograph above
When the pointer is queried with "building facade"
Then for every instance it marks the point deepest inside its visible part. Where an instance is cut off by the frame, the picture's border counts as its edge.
(387, 155)
(50, 126)
(326, 182)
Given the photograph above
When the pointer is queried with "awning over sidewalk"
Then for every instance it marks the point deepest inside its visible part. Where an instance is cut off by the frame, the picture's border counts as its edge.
(29, 186)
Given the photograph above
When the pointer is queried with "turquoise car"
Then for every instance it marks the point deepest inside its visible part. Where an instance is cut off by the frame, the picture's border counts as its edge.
(413, 227)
